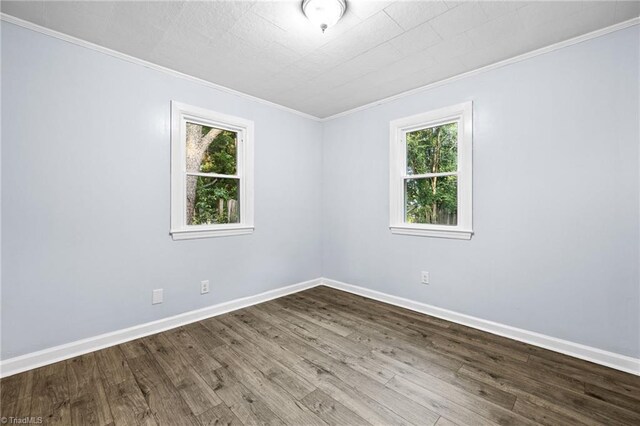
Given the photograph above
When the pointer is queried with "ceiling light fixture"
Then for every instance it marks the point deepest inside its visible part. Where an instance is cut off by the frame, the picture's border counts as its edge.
(324, 13)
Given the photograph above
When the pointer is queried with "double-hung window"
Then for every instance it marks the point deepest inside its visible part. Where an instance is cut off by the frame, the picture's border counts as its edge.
(430, 173)
(211, 173)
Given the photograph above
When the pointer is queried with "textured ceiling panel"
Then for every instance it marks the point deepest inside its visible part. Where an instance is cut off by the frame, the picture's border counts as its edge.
(270, 50)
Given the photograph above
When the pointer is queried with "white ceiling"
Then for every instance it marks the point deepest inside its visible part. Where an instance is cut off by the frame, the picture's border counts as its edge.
(270, 50)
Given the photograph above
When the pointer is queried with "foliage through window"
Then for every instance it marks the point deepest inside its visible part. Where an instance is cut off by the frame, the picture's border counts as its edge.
(212, 184)
(431, 173)
(433, 198)
(211, 173)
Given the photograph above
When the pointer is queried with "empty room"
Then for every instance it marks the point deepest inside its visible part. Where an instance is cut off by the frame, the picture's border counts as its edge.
(320, 212)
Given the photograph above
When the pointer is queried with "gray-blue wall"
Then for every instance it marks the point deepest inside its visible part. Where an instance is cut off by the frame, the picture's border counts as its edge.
(85, 197)
(556, 213)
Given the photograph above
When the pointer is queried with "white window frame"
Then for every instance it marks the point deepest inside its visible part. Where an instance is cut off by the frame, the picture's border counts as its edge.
(180, 114)
(462, 114)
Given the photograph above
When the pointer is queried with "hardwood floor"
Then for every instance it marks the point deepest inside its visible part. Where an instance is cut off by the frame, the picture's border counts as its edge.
(321, 357)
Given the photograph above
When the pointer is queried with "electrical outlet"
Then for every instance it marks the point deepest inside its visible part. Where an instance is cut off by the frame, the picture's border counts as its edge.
(204, 286)
(157, 296)
(424, 277)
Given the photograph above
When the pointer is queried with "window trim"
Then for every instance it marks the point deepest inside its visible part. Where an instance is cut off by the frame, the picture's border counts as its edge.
(463, 114)
(180, 114)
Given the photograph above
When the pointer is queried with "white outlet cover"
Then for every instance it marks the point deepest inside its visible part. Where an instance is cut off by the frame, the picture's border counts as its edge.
(157, 296)
(204, 286)
(424, 277)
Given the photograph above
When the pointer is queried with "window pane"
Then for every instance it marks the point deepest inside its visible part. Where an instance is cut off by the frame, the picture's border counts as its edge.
(432, 200)
(433, 150)
(211, 150)
(212, 200)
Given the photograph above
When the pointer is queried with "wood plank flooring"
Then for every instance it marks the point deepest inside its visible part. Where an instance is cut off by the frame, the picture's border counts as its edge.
(322, 357)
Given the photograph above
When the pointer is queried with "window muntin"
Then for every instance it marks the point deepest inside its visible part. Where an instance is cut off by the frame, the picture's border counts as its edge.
(430, 182)
(212, 173)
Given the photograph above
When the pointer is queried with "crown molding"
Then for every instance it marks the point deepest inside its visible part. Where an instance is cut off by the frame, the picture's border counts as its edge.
(547, 49)
(532, 54)
(86, 44)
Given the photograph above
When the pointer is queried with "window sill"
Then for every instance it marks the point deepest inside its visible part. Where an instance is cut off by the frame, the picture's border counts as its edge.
(191, 234)
(457, 234)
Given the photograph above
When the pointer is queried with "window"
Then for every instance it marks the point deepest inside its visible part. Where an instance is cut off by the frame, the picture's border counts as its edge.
(430, 181)
(211, 173)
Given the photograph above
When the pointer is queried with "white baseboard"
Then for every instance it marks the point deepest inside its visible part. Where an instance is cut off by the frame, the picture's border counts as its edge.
(37, 359)
(588, 353)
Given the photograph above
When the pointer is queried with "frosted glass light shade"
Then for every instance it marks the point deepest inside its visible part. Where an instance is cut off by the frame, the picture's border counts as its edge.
(324, 13)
